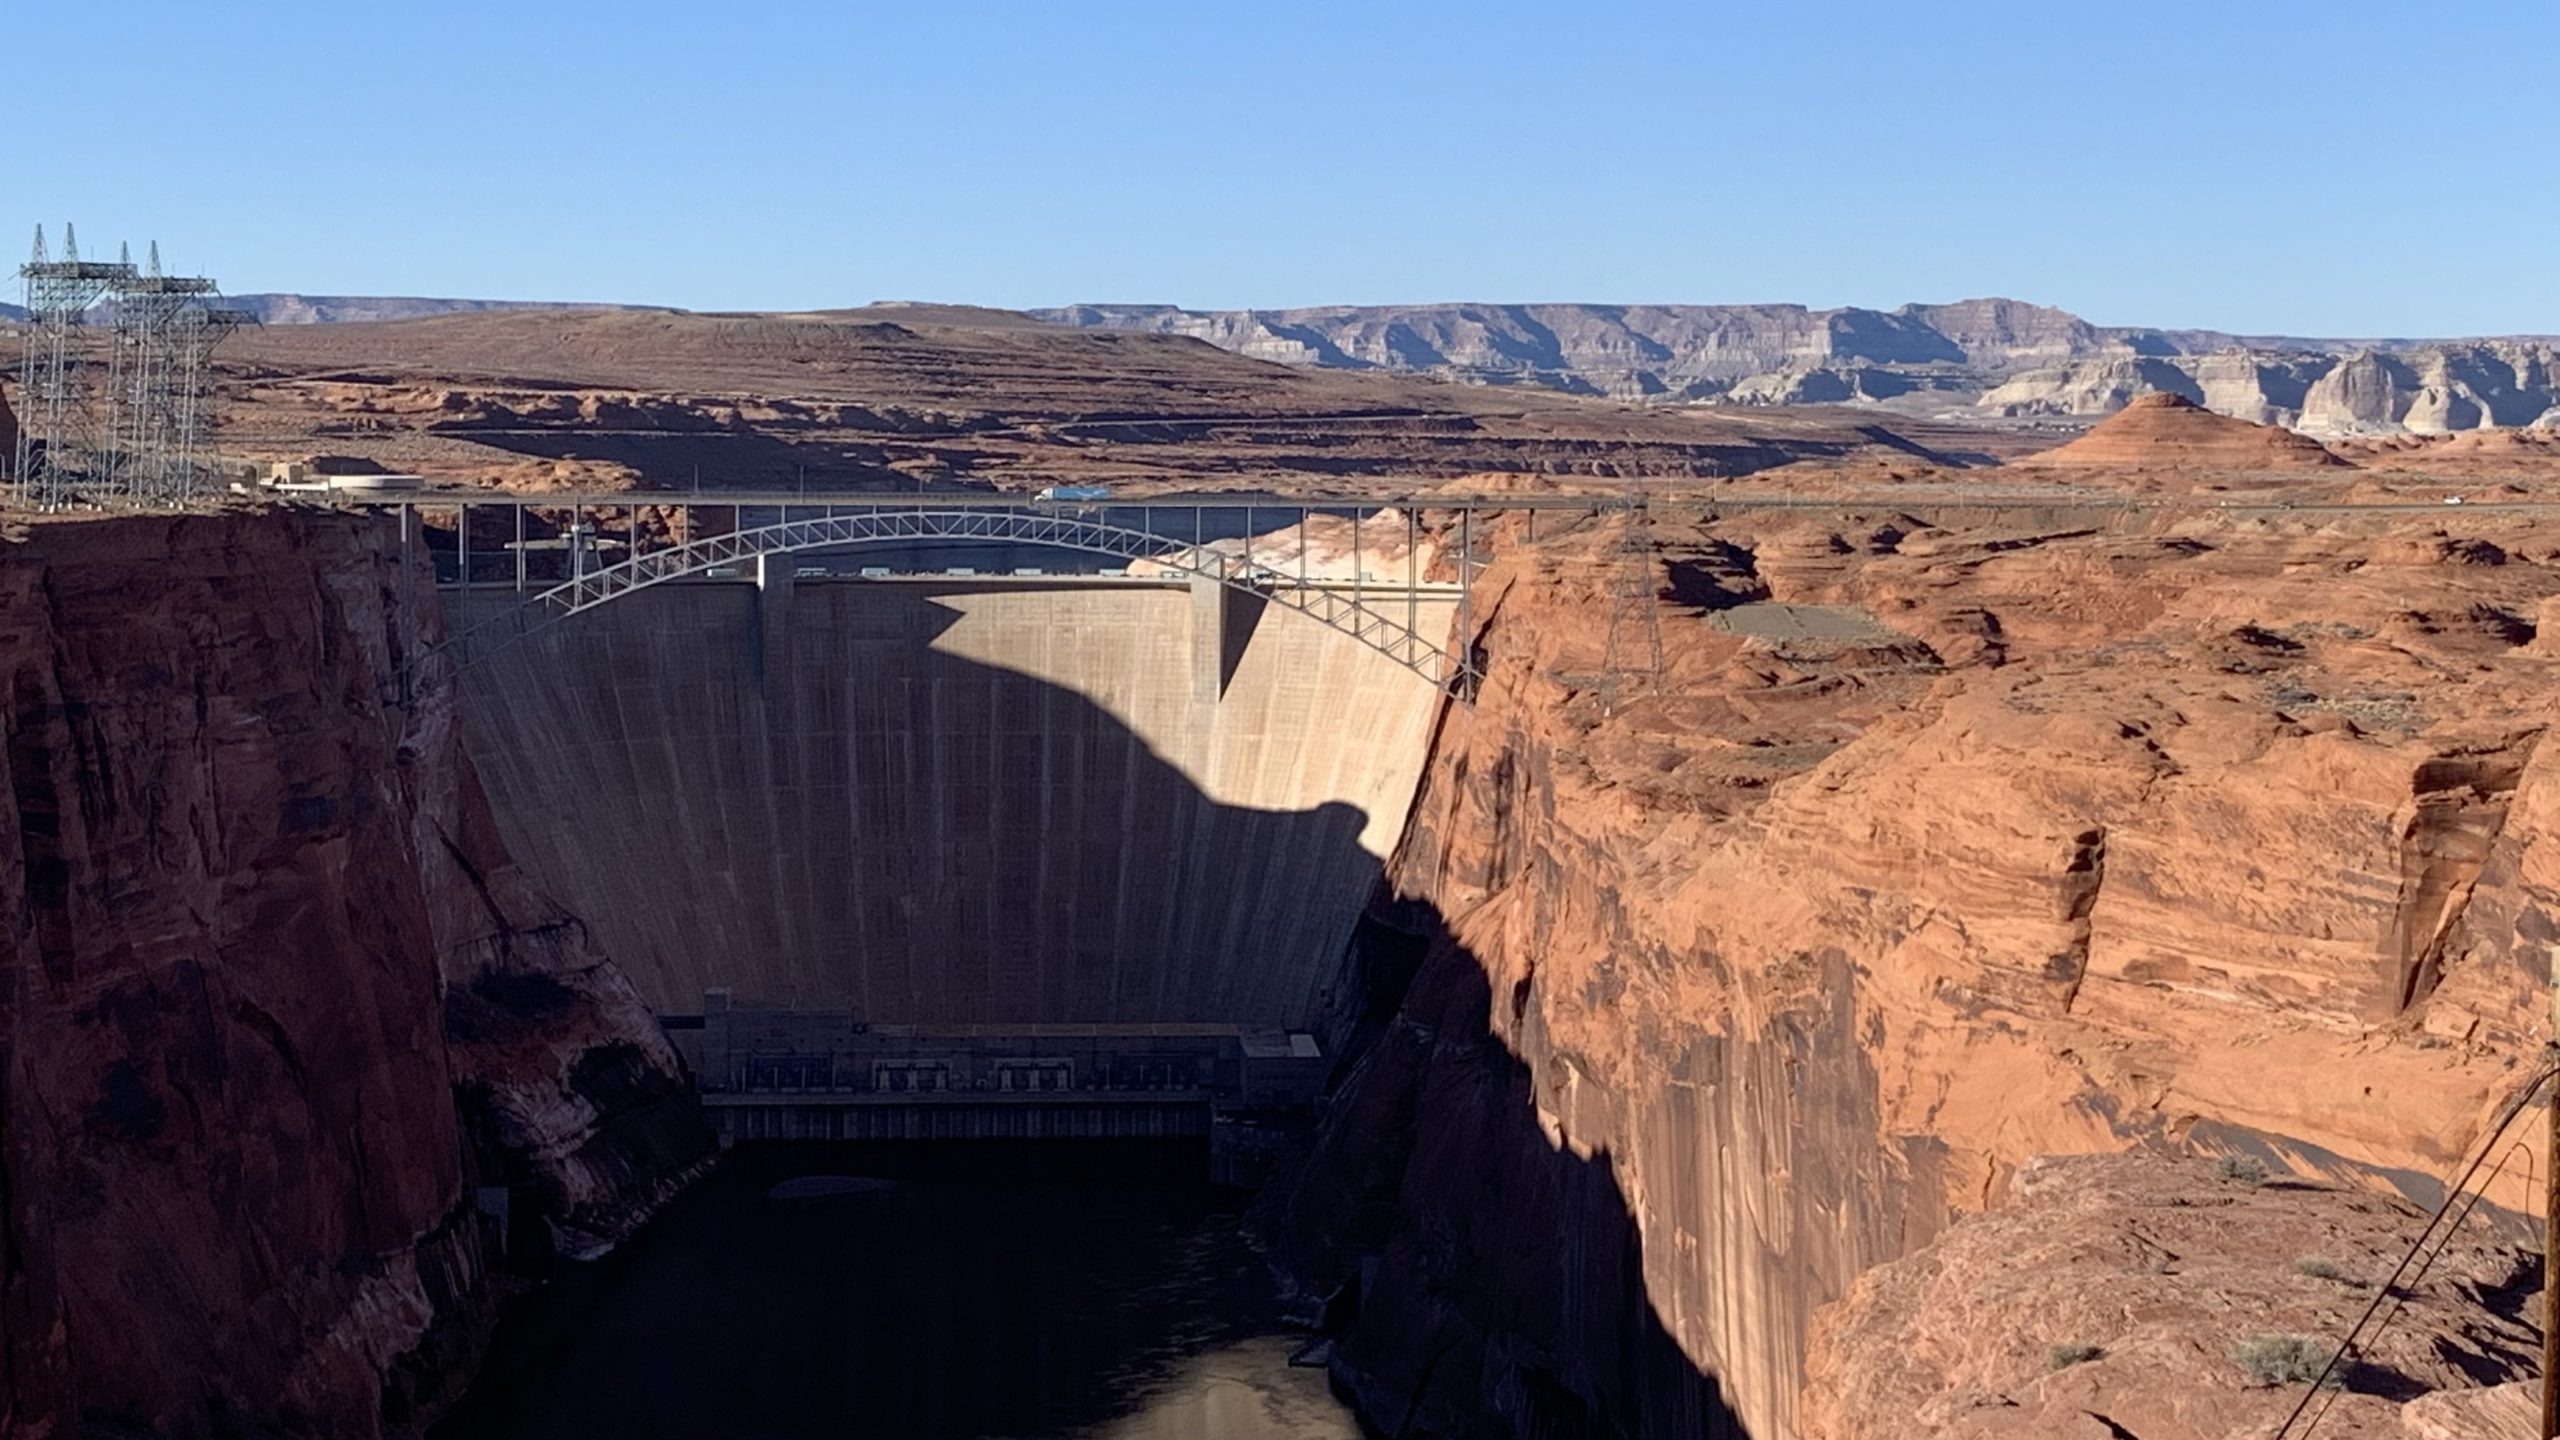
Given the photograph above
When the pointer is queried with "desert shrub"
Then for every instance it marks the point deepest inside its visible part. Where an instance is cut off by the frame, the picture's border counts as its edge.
(2241, 1170)
(2283, 1359)
(2319, 1268)
(2063, 1357)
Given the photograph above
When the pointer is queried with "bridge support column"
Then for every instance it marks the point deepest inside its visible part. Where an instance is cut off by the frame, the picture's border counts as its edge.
(1208, 640)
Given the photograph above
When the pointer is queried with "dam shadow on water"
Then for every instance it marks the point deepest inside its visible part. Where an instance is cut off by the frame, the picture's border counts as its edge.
(1477, 1276)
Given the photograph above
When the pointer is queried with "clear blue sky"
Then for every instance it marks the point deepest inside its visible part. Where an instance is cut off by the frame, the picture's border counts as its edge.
(2344, 167)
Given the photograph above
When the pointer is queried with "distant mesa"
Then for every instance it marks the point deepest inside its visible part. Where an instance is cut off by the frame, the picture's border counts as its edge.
(2030, 367)
(1990, 359)
(902, 396)
(958, 317)
(2161, 429)
(289, 309)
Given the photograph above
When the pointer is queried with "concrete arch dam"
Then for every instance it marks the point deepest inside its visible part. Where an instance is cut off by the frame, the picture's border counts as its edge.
(995, 806)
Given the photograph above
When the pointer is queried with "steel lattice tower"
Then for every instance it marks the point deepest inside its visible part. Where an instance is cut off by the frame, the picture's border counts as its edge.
(161, 345)
(1633, 654)
(1635, 619)
(198, 330)
(63, 433)
(128, 431)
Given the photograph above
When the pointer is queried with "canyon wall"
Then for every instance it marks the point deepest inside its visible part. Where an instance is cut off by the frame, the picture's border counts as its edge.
(291, 1047)
(1941, 848)
(952, 803)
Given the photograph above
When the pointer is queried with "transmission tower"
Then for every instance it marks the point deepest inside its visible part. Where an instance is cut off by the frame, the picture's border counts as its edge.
(1632, 661)
(200, 329)
(63, 434)
(130, 430)
(1635, 619)
(164, 333)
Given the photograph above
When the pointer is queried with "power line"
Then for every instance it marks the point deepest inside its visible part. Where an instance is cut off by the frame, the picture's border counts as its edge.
(2391, 1289)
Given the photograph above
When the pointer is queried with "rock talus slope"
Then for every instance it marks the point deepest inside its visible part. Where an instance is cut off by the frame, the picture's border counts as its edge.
(1950, 842)
(276, 1008)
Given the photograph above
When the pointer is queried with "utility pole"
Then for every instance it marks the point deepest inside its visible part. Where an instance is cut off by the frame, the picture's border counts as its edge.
(2551, 1225)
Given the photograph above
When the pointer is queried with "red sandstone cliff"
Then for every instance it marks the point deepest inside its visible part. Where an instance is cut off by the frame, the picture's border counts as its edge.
(276, 1006)
(2046, 833)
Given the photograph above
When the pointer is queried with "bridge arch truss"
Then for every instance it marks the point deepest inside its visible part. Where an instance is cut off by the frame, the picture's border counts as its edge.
(1352, 607)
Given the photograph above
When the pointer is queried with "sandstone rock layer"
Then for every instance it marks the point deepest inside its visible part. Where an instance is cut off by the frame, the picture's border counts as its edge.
(277, 1013)
(2180, 829)
(2129, 1290)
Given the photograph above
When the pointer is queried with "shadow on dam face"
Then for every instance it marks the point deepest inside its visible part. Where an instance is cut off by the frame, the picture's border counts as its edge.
(951, 805)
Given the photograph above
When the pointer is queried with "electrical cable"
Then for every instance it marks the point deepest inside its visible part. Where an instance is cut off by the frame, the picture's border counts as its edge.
(2400, 1295)
(2391, 1287)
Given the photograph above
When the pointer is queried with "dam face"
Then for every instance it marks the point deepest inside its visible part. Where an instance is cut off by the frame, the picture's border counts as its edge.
(955, 803)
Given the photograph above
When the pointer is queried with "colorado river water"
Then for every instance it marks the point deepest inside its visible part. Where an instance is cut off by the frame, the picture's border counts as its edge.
(975, 1293)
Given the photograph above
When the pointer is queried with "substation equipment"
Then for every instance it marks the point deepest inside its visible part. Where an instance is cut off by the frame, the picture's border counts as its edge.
(112, 379)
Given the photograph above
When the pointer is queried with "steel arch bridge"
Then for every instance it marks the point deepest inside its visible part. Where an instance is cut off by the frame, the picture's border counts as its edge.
(1347, 607)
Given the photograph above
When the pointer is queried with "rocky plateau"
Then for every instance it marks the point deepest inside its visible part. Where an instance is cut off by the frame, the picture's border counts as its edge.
(916, 397)
(1998, 362)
